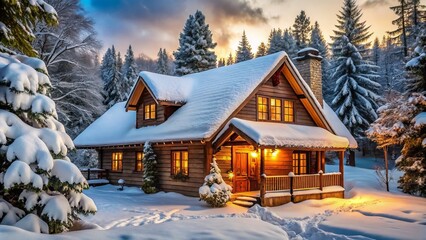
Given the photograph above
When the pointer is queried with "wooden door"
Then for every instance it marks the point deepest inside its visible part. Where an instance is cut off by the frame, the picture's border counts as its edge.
(241, 172)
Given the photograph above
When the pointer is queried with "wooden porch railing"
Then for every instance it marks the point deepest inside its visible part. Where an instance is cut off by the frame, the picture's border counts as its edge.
(95, 173)
(296, 182)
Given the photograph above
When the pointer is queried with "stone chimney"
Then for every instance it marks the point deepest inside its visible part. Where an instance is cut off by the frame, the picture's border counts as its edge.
(308, 62)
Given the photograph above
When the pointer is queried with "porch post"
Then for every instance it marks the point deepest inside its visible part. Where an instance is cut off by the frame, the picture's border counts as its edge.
(323, 161)
(318, 153)
(262, 177)
(341, 168)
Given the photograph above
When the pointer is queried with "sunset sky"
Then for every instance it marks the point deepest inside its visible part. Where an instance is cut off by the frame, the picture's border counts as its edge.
(149, 25)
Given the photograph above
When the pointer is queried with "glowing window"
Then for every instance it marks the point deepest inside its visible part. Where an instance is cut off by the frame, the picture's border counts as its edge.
(262, 108)
(180, 163)
(149, 111)
(117, 161)
(275, 109)
(139, 163)
(288, 111)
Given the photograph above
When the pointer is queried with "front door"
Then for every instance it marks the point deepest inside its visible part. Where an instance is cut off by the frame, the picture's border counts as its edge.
(241, 171)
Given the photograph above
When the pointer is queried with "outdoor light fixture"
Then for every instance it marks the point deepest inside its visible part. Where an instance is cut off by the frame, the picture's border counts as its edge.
(230, 174)
(254, 154)
(274, 152)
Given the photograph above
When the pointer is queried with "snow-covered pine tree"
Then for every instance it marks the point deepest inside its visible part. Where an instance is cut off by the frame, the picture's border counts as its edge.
(356, 89)
(40, 189)
(150, 178)
(416, 67)
(275, 41)
(350, 25)
(221, 62)
(17, 19)
(119, 61)
(106, 65)
(261, 50)
(243, 52)
(289, 44)
(318, 42)
(113, 88)
(402, 121)
(230, 60)
(214, 190)
(301, 30)
(128, 72)
(195, 52)
(162, 63)
(38, 183)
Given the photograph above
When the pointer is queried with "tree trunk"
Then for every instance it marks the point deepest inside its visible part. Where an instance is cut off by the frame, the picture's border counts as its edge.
(385, 149)
(352, 158)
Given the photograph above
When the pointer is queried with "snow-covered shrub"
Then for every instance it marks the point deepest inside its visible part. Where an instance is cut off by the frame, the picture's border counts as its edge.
(214, 190)
(40, 189)
(150, 178)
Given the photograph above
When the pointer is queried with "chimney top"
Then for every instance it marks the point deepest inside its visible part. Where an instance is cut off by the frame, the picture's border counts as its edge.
(307, 53)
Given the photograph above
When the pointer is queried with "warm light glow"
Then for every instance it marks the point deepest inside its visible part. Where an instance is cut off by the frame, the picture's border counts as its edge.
(231, 175)
(254, 154)
(274, 152)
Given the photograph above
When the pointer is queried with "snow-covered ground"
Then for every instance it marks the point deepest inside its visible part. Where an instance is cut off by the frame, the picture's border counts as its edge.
(368, 212)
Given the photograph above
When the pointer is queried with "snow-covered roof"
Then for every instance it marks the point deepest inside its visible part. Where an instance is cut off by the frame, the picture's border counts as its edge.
(420, 119)
(210, 98)
(288, 135)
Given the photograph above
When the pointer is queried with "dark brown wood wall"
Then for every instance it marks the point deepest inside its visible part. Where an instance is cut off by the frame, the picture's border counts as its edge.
(282, 90)
(146, 98)
(281, 164)
(196, 155)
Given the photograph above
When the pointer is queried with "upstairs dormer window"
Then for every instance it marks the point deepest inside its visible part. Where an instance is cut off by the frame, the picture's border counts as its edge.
(149, 111)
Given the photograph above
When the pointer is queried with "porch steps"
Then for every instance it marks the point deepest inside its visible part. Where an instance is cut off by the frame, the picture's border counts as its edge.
(245, 201)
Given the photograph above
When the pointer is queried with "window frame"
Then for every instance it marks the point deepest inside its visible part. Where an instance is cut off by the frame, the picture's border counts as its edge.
(269, 109)
(119, 160)
(307, 162)
(266, 107)
(173, 170)
(150, 111)
(280, 114)
(137, 161)
(284, 110)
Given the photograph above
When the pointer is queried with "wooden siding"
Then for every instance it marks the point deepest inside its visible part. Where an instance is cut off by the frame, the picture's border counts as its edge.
(196, 155)
(146, 98)
(224, 161)
(281, 164)
(283, 91)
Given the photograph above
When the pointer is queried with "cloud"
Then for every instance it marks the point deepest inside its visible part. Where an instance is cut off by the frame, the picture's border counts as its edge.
(374, 3)
(149, 25)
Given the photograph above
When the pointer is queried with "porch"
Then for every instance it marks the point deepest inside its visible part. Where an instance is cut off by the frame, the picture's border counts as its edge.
(278, 172)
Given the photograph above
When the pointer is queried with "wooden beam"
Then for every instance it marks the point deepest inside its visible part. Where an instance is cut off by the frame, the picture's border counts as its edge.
(341, 168)
(238, 143)
(318, 157)
(223, 138)
(209, 156)
(245, 136)
(262, 177)
(323, 161)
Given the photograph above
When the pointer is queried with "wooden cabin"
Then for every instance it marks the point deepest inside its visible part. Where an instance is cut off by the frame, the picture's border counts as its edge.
(264, 120)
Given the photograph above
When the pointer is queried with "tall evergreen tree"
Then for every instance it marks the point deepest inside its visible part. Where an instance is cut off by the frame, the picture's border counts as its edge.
(195, 52)
(411, 15)
(289, 44)
(244, 50)
(261, 50)
(221, 62)
(18, 19)
(275, 41)
(375, 52)
(416, 67)
(351, 26)
(162, 64)
(301, 30)
(129, 73)
(113, 88)
(230, 60)
(150, 174)
(119, 61)
(356, 89)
